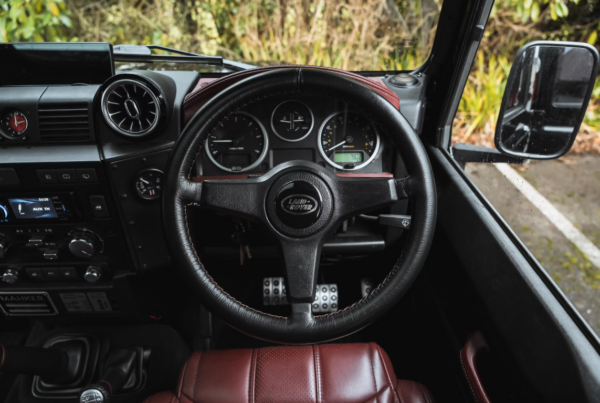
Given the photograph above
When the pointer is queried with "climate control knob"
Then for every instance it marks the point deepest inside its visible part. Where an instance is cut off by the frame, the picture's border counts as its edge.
(92, 274)
(10, 276)
(83, 245)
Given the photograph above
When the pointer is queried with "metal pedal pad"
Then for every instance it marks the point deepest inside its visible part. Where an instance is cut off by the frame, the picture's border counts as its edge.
(366, 286)
(326, 298)
(274, 292)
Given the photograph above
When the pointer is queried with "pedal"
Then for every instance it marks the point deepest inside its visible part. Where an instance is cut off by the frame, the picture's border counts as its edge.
(274, 292)
(326, 297)
(366, 286)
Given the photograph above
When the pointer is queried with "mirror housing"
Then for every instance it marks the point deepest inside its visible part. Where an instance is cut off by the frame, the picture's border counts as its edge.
(545, 100)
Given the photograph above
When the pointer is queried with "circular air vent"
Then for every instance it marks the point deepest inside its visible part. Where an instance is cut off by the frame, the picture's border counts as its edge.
(131, 108)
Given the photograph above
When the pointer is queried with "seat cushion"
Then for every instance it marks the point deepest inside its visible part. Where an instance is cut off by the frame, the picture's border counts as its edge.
(341, 373)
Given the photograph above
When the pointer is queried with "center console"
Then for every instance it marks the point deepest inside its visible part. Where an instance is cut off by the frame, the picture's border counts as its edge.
(61, 244)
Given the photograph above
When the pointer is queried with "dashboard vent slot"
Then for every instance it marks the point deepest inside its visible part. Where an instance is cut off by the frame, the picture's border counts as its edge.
(64, 122)
(131, 108)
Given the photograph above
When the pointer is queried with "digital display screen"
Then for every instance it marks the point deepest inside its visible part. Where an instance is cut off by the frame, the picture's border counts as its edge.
(28, 208)
(55, 63)
(348, 157)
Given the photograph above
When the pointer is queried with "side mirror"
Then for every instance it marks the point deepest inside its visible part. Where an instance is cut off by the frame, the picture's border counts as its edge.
(546, 96)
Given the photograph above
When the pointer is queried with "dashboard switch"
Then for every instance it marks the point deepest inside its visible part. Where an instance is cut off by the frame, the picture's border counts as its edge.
(34, 272)
(51, 272)
(87, 175)
(47, 175)
(99, 206)
(37, 240)
(68, 272)
(66, 175)
(51, 254)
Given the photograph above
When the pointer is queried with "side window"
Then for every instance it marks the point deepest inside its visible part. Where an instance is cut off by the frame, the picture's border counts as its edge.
(553, 205)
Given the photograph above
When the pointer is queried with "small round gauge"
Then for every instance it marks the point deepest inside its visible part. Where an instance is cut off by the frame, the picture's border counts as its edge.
(292, 121)
(240, 143)
(148, 184)
(13, 125)
(348, 141)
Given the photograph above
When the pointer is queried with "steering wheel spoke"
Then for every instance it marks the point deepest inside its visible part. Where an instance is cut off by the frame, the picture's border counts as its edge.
(301, 265)
(239, 197)
(361, 195)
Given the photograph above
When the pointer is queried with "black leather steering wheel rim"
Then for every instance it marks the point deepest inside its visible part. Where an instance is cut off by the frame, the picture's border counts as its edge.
(180, 192)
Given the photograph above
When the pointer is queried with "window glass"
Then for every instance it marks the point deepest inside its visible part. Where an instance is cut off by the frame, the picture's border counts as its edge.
(553, 206)
(350, 34)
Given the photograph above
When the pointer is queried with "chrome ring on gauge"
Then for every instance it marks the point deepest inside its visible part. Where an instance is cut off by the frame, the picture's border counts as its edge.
(348, 141)
(13, 124)
(292, 121)
(238, 144)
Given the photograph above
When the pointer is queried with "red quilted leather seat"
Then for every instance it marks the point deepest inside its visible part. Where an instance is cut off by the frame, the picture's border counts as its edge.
(341, 373)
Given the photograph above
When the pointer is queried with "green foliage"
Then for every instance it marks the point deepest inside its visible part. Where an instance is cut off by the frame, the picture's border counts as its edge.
(34, 20)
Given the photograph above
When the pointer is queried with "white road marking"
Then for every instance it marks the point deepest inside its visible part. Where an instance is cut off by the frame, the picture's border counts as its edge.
(556, 217)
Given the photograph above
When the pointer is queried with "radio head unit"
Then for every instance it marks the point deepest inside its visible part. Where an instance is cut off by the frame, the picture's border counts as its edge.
(38, 208)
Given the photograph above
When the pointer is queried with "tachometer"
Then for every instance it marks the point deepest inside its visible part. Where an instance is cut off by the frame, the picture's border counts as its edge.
(348, 141)
(238, 144)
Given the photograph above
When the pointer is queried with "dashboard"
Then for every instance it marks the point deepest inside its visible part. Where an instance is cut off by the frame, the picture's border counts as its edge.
(82, 165)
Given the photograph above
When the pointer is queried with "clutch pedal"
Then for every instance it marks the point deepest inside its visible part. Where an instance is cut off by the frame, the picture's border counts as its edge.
(326, 296)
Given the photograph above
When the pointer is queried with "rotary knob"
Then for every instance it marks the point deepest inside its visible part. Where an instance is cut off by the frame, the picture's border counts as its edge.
(83, 244)
(92, 274)
(10, 276)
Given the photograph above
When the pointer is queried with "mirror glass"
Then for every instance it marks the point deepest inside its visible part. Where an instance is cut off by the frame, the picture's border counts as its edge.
(545, 99)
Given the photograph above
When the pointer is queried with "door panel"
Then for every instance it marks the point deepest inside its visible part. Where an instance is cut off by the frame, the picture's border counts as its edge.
(553, 345)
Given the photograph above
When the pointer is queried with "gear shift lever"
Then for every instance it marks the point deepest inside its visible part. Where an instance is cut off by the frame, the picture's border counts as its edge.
(119, 366)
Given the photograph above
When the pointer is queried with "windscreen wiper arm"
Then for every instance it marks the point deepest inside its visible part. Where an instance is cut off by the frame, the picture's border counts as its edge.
(143, 54)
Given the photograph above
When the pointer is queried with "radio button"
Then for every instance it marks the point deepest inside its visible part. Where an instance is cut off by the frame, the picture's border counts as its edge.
(66, 175)
(34, 272)
(47, 175)
(51, 272)
(87, 175)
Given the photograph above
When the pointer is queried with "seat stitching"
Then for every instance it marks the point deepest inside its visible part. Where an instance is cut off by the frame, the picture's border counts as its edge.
(373, 372)
(182, 379)
(196, 377)
(468, 379)
(317, 372)
(386, 371)
(252, 377)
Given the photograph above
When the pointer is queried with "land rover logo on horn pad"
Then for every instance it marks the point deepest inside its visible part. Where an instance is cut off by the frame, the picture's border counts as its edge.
(299, 204)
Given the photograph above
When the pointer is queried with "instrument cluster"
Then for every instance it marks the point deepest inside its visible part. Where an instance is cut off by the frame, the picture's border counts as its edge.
(328, 132)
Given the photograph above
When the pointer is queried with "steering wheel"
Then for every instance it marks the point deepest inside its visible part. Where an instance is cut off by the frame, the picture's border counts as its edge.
(326, 200)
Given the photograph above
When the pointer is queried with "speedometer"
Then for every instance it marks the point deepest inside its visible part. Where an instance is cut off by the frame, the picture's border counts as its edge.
(238, 144)
(348, 141)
